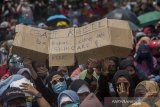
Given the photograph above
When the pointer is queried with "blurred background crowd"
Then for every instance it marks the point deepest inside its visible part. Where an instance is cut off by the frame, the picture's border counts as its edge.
(28, 83)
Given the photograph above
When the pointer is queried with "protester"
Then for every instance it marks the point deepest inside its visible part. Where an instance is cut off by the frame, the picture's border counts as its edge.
(109, 68)
(90, 75)
(148, 91)
(68, 98)
(25, 12)
(40, 78)
(15, 64)
(57, 84)
(13, 97)
(123, 85)
(144, 60)
(137, 75)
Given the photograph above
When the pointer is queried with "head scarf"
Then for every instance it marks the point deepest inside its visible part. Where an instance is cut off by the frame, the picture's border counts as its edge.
(147, 86)
(127, 76)
(72, 97)
(144, 53)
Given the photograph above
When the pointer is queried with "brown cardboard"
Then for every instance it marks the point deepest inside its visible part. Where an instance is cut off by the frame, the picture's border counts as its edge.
(62, 47)
(100, 39)
(103, 38)
(31, 42)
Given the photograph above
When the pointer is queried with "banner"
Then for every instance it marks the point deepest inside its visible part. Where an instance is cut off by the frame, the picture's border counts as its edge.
(103, 38)
(100, 39)
(31, 42)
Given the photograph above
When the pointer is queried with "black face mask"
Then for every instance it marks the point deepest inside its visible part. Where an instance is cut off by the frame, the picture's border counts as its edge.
(112, 69)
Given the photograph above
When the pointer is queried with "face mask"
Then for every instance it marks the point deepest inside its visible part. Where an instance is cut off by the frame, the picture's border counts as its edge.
(144, 56)
(59, 87)
(112, 69)
(3, 70)
(71, 105)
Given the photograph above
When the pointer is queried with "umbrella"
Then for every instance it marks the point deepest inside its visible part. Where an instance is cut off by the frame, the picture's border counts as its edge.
(149, 18)
(52, 20)
(123, 14)
(133, 26)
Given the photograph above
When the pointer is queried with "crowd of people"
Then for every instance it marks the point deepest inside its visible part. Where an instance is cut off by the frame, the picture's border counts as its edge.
(132, 81)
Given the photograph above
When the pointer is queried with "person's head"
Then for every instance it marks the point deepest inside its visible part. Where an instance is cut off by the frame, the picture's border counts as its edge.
(24, 2)
(144, 54)
(57, 82)
(110, 66)
(68, 98)
(15, 63)
(122, 77)
(81, 88)
(14, 97)
(40, 68)
(64, 71)
(128, 65)
(145, 87)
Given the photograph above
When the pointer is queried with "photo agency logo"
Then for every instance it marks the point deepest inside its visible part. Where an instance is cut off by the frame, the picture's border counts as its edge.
(115, 101)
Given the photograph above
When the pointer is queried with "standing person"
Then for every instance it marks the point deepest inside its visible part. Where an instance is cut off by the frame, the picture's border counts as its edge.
(25, 13)
(8, 11)
(144, 60)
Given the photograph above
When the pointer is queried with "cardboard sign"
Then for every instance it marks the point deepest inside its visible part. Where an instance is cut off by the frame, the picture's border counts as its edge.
(100, 39)
(62, 47)
(103, 38)
(31, 42)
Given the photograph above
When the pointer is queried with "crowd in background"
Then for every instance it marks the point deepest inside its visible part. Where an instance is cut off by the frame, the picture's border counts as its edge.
(25, 82)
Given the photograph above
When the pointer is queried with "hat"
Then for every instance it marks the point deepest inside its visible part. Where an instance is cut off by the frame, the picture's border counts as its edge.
(77, 84)
(4, 24)
(12, 93)
(83, 89)
(67, 96)
(6, 83)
